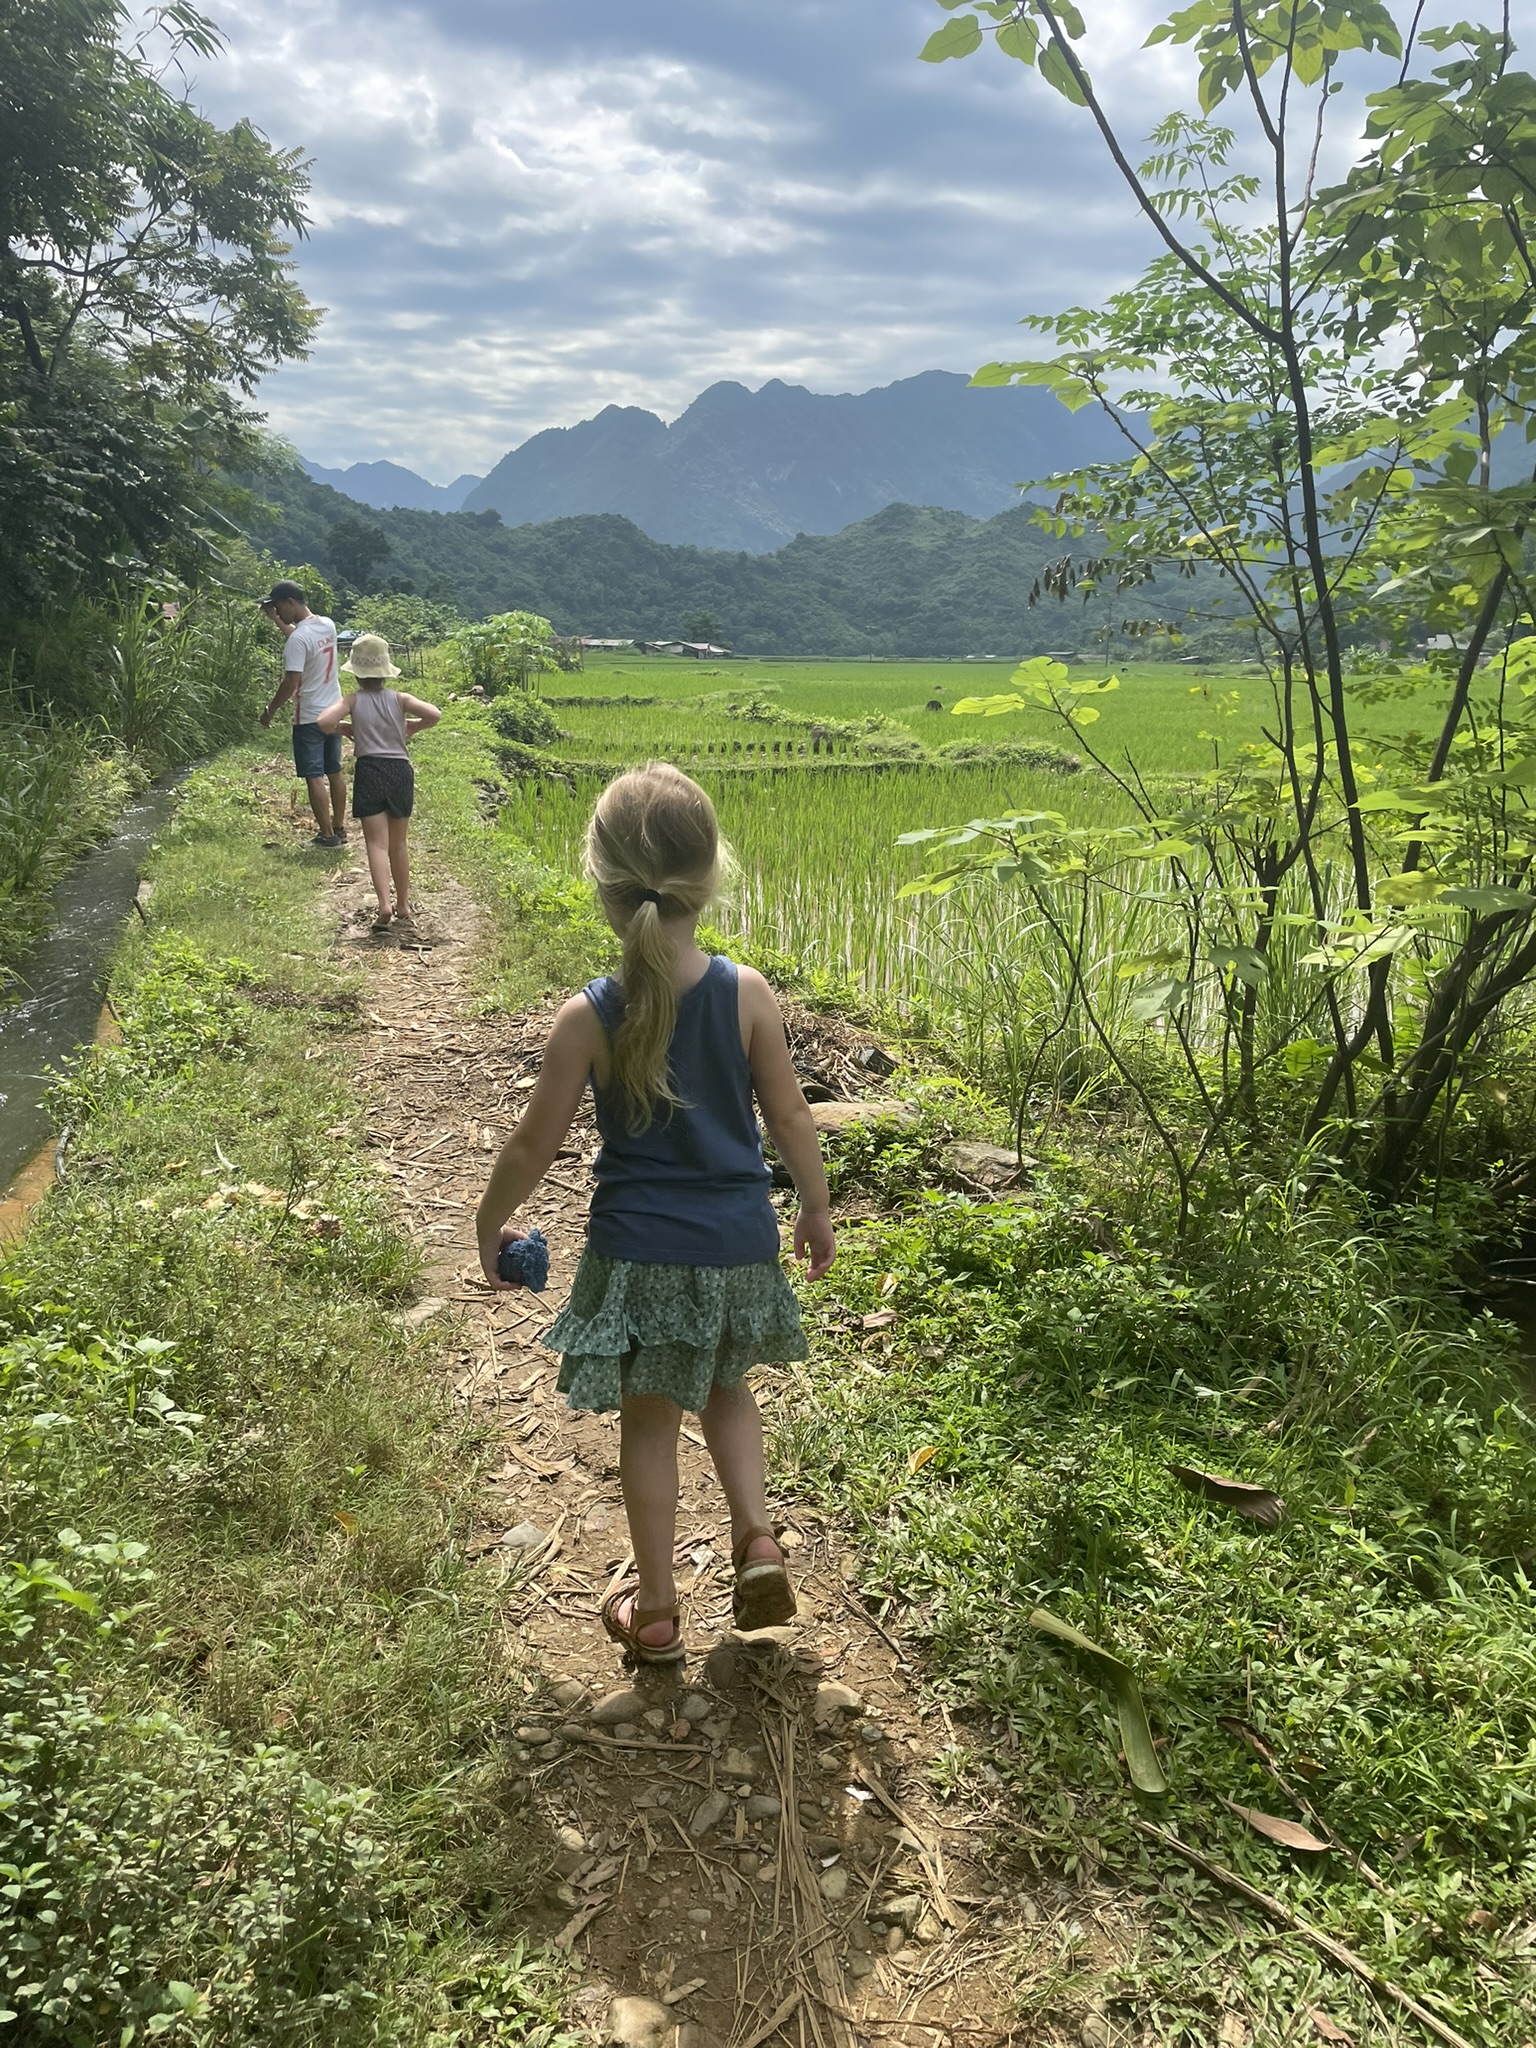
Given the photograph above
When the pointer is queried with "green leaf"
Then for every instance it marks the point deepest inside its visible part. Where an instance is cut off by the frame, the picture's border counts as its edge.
(956, 38)
(1302, 1055)
(1135, 1729)
(1487, 901)
(1019, 39)
(1159, 998)
(985, 707)
(1246, 962)
(1056, 71)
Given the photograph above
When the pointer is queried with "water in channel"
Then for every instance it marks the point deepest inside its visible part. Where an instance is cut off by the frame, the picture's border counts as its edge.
(52, 1008)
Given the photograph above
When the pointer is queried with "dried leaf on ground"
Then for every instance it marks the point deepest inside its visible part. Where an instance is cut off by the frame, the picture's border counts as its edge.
(879, 1319)
(1256, 1502)
(1245, 1732)
(1135, 1730)
(1330, 2029)
(921, 1458)
(1289, 1834)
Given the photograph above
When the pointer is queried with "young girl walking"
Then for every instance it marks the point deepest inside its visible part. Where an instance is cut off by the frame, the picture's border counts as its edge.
(381, 723)
(679, 1291)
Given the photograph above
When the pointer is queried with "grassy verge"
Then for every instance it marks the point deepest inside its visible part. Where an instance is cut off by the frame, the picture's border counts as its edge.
(253, 1692)
(1007, 1444)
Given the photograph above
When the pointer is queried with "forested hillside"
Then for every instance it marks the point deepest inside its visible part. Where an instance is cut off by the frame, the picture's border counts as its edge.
(911, 580)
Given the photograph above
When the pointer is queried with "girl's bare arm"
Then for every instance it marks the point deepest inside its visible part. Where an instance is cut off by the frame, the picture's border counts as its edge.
(330, 719)
(788, 1117)
(419, 714)
(530, 1151)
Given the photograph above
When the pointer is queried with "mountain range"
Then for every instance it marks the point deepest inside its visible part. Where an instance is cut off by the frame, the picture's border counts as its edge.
(907, 581)
(749, 470)
(386, 484)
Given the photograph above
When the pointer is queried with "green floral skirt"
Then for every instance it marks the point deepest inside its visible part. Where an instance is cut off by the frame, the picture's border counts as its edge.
(676, 1331)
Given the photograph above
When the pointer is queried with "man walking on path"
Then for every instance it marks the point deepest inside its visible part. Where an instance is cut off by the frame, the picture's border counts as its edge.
(309, 678)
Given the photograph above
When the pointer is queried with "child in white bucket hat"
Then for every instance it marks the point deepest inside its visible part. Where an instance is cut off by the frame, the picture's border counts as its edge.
(381, 722)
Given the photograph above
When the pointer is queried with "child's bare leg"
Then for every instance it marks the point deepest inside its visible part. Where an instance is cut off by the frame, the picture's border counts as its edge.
(338, 792)
(648, 1474)
(733, 1429)
(320, 803)
(400, 863)
(376, 845)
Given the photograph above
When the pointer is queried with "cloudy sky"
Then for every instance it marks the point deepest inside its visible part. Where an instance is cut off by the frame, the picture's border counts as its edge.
(527, 209)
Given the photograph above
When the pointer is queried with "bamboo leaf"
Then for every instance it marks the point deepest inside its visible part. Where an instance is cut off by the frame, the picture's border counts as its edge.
(1118, 1678)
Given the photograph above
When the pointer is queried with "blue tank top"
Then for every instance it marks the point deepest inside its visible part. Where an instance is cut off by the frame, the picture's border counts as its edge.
(692, 1189)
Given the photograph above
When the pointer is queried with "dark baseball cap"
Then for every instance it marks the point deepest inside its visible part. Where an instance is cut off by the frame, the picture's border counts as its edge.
(286, 592)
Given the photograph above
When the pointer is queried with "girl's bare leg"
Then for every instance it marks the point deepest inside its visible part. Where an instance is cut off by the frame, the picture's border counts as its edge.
(376, 845)
(400, 863)
(733, 1429)
(648, 1474)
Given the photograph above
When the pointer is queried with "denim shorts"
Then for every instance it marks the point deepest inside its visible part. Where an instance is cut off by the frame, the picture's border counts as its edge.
(315, 752)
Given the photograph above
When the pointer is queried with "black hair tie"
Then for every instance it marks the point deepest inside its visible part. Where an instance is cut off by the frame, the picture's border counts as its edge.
(650, 896)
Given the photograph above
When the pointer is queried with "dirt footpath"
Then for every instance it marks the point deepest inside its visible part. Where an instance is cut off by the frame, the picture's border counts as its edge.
(750, 1851)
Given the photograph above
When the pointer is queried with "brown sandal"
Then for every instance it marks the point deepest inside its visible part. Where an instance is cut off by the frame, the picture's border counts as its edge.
(627, 1634)
(763, 1597)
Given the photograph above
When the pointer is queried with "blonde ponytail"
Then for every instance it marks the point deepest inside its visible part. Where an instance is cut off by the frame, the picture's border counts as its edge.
(653, 854)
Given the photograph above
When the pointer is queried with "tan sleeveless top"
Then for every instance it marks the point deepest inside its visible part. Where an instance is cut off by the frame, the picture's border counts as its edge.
(378, 724)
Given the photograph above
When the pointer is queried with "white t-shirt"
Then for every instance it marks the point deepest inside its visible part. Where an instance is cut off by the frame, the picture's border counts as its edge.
(311, 649)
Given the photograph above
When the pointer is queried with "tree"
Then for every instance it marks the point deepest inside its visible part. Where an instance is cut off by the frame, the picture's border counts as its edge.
(353, 547)
(702, 627)
(145, 286)
(1308, 386)
(508, 651)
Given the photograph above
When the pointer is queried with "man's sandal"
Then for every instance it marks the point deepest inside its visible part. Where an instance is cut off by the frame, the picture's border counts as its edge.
(627, 1633)
(763, 1597)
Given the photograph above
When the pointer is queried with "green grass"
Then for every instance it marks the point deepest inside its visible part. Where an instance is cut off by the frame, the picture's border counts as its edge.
(1379, 1641)
(252, 1686)
(1162, 715)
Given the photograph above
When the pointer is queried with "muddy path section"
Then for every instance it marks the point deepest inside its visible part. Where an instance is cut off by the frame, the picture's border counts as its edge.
(750, 1851)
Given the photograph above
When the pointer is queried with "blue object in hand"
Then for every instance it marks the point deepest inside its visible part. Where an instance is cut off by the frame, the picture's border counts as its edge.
(525, 1261)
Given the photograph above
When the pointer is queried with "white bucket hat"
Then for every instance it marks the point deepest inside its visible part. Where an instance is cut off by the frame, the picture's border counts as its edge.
(369, 657)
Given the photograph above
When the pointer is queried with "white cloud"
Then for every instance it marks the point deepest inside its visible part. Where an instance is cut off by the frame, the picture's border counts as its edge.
(524, 211)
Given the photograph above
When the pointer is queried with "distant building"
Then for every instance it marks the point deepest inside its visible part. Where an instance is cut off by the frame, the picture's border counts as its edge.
(609, 646)
(696, 650)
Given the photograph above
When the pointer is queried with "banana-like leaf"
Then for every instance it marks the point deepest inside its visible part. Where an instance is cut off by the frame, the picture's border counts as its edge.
(1135, 1729)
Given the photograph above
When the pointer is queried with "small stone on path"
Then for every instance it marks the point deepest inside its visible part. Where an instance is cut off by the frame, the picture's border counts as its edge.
(526, 1536)
(696, 1707)
(568, 1692)
(721, 1670)
(616, 1707)
(639, 2023)
(423, 1312)
(834, 1883)
(833, 1699)
(709, 1813)
(764, 1806)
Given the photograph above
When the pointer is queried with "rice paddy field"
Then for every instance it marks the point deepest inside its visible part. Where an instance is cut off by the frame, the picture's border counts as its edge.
(814, 807)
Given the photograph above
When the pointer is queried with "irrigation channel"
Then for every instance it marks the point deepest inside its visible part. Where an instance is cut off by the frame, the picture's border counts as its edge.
(55, 1006)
